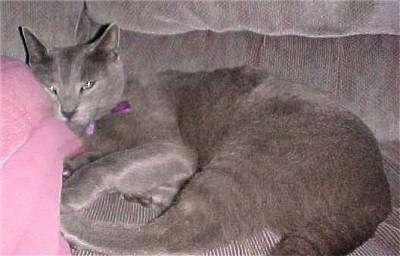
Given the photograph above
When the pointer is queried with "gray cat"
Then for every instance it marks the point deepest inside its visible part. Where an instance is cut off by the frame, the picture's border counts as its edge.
(223, 154)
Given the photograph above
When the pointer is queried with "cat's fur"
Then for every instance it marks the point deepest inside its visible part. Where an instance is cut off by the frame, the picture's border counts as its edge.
(252, 152)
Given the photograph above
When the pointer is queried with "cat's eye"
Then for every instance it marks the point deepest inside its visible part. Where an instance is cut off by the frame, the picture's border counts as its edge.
(88, 85)
(53, 89)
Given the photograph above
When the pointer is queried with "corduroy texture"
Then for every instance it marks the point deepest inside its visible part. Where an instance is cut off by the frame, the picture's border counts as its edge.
(309, 18)
(361, 71)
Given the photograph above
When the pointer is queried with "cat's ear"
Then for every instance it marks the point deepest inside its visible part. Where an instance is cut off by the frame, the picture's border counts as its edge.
(83, 27)
(35, 50)
(107, 46)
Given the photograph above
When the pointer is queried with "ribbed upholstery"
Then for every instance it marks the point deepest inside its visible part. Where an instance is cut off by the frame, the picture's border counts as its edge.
(362, 71)
(310, 18)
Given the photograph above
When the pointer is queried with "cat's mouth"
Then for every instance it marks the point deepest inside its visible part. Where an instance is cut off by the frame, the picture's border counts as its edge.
(76, 120)
(77, 126)
(82, 118)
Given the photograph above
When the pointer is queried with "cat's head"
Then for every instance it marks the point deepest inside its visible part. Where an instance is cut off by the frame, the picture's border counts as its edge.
(84, 81)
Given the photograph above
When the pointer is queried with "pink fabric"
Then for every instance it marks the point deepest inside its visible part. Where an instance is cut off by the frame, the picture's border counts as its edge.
(33, 146)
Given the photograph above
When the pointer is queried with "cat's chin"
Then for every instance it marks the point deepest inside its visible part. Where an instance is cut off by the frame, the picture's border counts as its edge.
(77, 127)
(81, 120)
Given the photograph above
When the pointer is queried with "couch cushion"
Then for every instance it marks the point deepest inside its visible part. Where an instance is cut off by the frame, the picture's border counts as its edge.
(309, 18)
(52, 21)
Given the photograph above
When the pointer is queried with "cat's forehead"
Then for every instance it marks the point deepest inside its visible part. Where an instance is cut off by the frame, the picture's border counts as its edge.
(69, 54)
(75, 59)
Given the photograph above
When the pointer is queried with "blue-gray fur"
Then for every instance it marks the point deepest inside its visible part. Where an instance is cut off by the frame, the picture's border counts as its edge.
(253, 152)
(67, 69)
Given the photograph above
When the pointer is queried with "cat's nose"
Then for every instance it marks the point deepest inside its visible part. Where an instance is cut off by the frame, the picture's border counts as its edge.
(68, 114)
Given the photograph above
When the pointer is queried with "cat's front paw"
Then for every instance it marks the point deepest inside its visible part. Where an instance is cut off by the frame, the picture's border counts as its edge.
(82, 188)
(161, 197)
(142, 200)
(67, 171)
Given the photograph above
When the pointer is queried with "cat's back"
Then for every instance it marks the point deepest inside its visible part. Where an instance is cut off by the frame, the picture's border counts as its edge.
(244, 100)
(285, 131)
(207, 101)
(238, 90)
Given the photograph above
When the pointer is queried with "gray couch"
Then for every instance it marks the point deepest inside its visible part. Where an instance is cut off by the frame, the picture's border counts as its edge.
(348, 49)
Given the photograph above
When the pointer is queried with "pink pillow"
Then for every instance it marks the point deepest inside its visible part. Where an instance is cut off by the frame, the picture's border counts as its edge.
(33, 146)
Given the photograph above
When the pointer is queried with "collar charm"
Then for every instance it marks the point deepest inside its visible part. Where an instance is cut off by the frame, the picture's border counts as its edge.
(120, 109)
(90, 128)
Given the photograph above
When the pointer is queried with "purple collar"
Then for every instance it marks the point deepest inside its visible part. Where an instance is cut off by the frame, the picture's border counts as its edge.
(119, 110)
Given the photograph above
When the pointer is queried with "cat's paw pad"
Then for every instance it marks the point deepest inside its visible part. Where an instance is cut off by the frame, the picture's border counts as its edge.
(160, 197)
(140, 199)
(163, 195)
